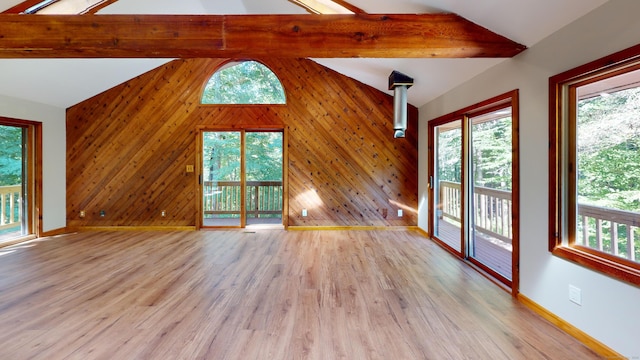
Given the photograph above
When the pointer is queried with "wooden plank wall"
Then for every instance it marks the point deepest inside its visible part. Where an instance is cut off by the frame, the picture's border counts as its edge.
(127, 148)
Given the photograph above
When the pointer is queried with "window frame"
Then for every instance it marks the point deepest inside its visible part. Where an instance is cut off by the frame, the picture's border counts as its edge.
(562, 155)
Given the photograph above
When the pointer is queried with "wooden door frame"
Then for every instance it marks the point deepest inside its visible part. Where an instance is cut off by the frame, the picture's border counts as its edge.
(34, 174)
(512, 99)
(243, 130)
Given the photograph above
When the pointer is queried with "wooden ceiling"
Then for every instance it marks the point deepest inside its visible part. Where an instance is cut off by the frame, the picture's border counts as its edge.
(200, 36)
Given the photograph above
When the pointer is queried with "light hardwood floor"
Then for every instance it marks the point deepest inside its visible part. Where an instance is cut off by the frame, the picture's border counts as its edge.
(263, 294)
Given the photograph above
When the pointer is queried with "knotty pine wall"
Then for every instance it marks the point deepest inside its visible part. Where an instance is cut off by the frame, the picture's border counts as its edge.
(127, 148)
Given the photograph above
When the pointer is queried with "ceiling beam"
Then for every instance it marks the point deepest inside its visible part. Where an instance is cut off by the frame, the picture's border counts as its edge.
(199, 36)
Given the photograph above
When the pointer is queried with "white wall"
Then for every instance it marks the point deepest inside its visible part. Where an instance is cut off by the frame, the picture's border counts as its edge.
(54, 155)
(611, 309)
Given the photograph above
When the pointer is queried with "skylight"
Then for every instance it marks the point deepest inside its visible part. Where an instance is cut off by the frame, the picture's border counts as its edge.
(325, 6)
(64, 7)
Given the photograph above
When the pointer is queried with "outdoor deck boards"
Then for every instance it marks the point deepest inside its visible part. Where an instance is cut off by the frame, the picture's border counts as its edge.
(487, 250)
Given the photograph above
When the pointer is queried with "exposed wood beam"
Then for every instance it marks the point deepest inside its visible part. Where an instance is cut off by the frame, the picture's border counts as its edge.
(192, 36)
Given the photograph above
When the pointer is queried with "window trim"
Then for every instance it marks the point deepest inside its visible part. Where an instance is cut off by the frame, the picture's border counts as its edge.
(561, 179)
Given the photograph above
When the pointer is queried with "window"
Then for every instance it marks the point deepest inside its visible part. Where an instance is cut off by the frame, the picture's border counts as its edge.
(327, 6)
(57, 7)
(594, 160)
(247, 82)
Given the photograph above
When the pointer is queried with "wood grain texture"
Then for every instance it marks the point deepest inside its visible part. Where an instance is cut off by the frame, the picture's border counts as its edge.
(127, 148)
(260, 295)
(298, 36)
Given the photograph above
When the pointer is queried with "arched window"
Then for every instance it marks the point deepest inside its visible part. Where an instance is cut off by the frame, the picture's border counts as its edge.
(246, 82)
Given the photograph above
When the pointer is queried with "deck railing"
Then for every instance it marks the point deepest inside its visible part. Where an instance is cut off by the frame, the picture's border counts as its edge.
(10, 209)
(492, 211)
(612, 231)
(264, 198)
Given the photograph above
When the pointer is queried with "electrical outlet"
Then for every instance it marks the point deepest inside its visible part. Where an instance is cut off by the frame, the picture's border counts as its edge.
(575, 295)
(304, 212)
(103, 213)
(82, 213)
(399, 212)
(163, 213)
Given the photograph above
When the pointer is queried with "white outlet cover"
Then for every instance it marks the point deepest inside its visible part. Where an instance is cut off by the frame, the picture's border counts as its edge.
(304, 212)
(399, 212)
(575, 295)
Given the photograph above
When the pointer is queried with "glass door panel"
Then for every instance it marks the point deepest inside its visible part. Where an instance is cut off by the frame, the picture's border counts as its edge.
(491, 235)
(263, 151)
(448, 217)
(221, 178)
(13, 211)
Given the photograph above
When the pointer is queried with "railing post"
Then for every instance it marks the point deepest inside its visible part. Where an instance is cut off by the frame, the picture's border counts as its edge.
(256, 199)
(12, 203)
(2, 207)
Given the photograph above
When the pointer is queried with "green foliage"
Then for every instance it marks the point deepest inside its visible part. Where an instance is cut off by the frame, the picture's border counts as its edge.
(10, 155)
(492, 153)
(264, 156)
(222, 156)
(608, 157)
(248, 82)
(608, 150)
(450, 155)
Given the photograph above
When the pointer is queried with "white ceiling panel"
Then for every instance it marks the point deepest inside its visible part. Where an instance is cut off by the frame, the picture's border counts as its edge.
(66, 82)
(8, 4)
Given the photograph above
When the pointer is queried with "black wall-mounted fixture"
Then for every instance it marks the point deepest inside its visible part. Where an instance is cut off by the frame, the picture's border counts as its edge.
(399, 83)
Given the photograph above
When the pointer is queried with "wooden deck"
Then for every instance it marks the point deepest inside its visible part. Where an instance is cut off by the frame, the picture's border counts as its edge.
(492, 252)
(266, 294)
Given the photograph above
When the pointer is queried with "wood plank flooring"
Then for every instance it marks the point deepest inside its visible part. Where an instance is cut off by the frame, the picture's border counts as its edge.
(263, 294)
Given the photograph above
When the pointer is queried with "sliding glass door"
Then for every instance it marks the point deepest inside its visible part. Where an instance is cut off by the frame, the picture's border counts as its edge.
(242, 178)
(473, 185)
(446, 181)
(491, 228)
(264, 178)
(222, 188)
(17, 178)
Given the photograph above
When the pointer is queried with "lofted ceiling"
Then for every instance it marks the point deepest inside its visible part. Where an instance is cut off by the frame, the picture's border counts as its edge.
(66, 82)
